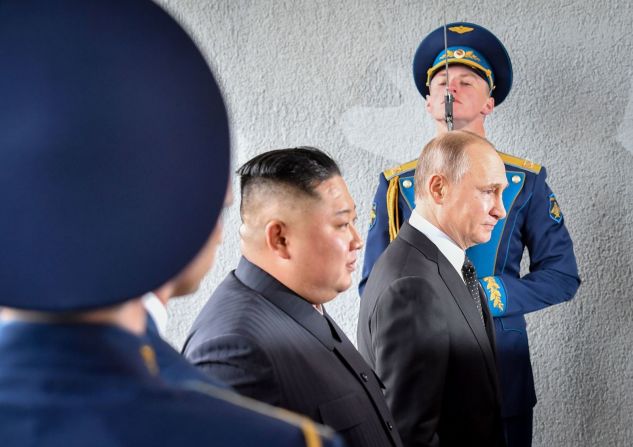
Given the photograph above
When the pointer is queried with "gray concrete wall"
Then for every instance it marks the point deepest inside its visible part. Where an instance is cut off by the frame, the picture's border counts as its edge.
(336, 74)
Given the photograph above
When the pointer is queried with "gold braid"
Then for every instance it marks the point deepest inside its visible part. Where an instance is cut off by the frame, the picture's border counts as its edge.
(310, 433)
(392, 208)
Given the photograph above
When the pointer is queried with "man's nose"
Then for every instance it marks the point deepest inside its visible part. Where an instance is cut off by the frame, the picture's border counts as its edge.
(498, 210)
(452, 85)
(357, 241)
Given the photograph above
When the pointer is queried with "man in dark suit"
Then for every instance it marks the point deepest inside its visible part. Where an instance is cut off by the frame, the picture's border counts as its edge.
(115, 156)
(265, 331)
(479, 77)
(423, 323)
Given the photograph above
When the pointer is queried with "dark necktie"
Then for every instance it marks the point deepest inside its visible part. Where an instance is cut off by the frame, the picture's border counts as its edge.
(470, 276)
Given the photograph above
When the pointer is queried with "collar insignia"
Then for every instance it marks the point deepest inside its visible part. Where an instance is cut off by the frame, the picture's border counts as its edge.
(494, 294)
(372, 216)
(149, 358)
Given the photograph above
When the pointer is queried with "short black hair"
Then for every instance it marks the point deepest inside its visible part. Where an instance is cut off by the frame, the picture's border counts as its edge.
(302, 168)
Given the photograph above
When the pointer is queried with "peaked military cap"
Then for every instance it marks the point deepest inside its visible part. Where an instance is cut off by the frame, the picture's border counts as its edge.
(114, 152)
(468, 44)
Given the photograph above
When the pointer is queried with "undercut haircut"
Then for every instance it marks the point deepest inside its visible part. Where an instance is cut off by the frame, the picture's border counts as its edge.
(445, 155)
(300, 169)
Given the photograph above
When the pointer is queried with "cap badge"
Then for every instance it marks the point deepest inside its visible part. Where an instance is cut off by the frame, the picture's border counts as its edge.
(460, 54)
(461, 29)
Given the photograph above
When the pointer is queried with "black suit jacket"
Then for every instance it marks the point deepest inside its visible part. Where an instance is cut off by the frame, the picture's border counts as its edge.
(421, 332)
(268, 343)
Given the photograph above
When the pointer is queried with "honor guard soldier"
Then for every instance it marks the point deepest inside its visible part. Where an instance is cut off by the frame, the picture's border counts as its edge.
(480, 77)
(115, 161)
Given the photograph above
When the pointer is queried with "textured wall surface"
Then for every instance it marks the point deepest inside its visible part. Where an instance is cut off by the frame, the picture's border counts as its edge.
(336, 74)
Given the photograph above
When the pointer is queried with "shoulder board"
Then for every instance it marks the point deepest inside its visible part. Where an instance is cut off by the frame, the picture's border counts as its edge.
(392, 172)
(520, 163)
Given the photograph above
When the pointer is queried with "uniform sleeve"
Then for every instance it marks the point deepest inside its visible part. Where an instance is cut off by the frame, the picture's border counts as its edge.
(239, 362)
(174, 368)
(553, 276)
(378, 234)
(413, 372)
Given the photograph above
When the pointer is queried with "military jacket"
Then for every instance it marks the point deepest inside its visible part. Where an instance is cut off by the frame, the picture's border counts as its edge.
(96, 385)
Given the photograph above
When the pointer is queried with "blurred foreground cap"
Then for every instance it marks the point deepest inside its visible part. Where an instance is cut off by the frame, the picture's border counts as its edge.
(114, 152)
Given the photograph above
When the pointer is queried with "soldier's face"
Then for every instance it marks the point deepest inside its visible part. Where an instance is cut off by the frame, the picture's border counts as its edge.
(323, 243)
(473, 206)
(471, 93)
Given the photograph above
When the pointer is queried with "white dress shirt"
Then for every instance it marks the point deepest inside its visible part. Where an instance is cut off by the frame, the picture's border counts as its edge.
(445, 244)
(157, 310)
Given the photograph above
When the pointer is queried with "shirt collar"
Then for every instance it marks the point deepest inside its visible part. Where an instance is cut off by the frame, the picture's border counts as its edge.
(318, 308)
(445, 244)
(157, 310)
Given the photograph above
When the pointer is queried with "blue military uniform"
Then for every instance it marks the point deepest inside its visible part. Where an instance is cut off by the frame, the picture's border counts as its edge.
(97, 385)
(115, 161)
(534, 221)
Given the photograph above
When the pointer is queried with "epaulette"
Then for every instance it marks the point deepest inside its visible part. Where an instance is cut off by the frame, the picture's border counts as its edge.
(520, 163)
(312, 432)
(392, 172)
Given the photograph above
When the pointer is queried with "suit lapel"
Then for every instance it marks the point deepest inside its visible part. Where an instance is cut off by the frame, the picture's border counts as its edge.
(346, 349)
(333, 337)
(465, 303)
(323, 328)
(456, 286)
(286, 300)
(490, 328)
(304, 314)
(350, 356)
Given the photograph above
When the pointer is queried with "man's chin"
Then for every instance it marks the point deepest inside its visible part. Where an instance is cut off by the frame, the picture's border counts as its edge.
(186, 290)
(344, 285)
(484, 238)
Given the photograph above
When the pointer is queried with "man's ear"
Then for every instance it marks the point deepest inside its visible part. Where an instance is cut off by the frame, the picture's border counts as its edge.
(437, 188)
(275, 234)
(427, 104)
(488, 107)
